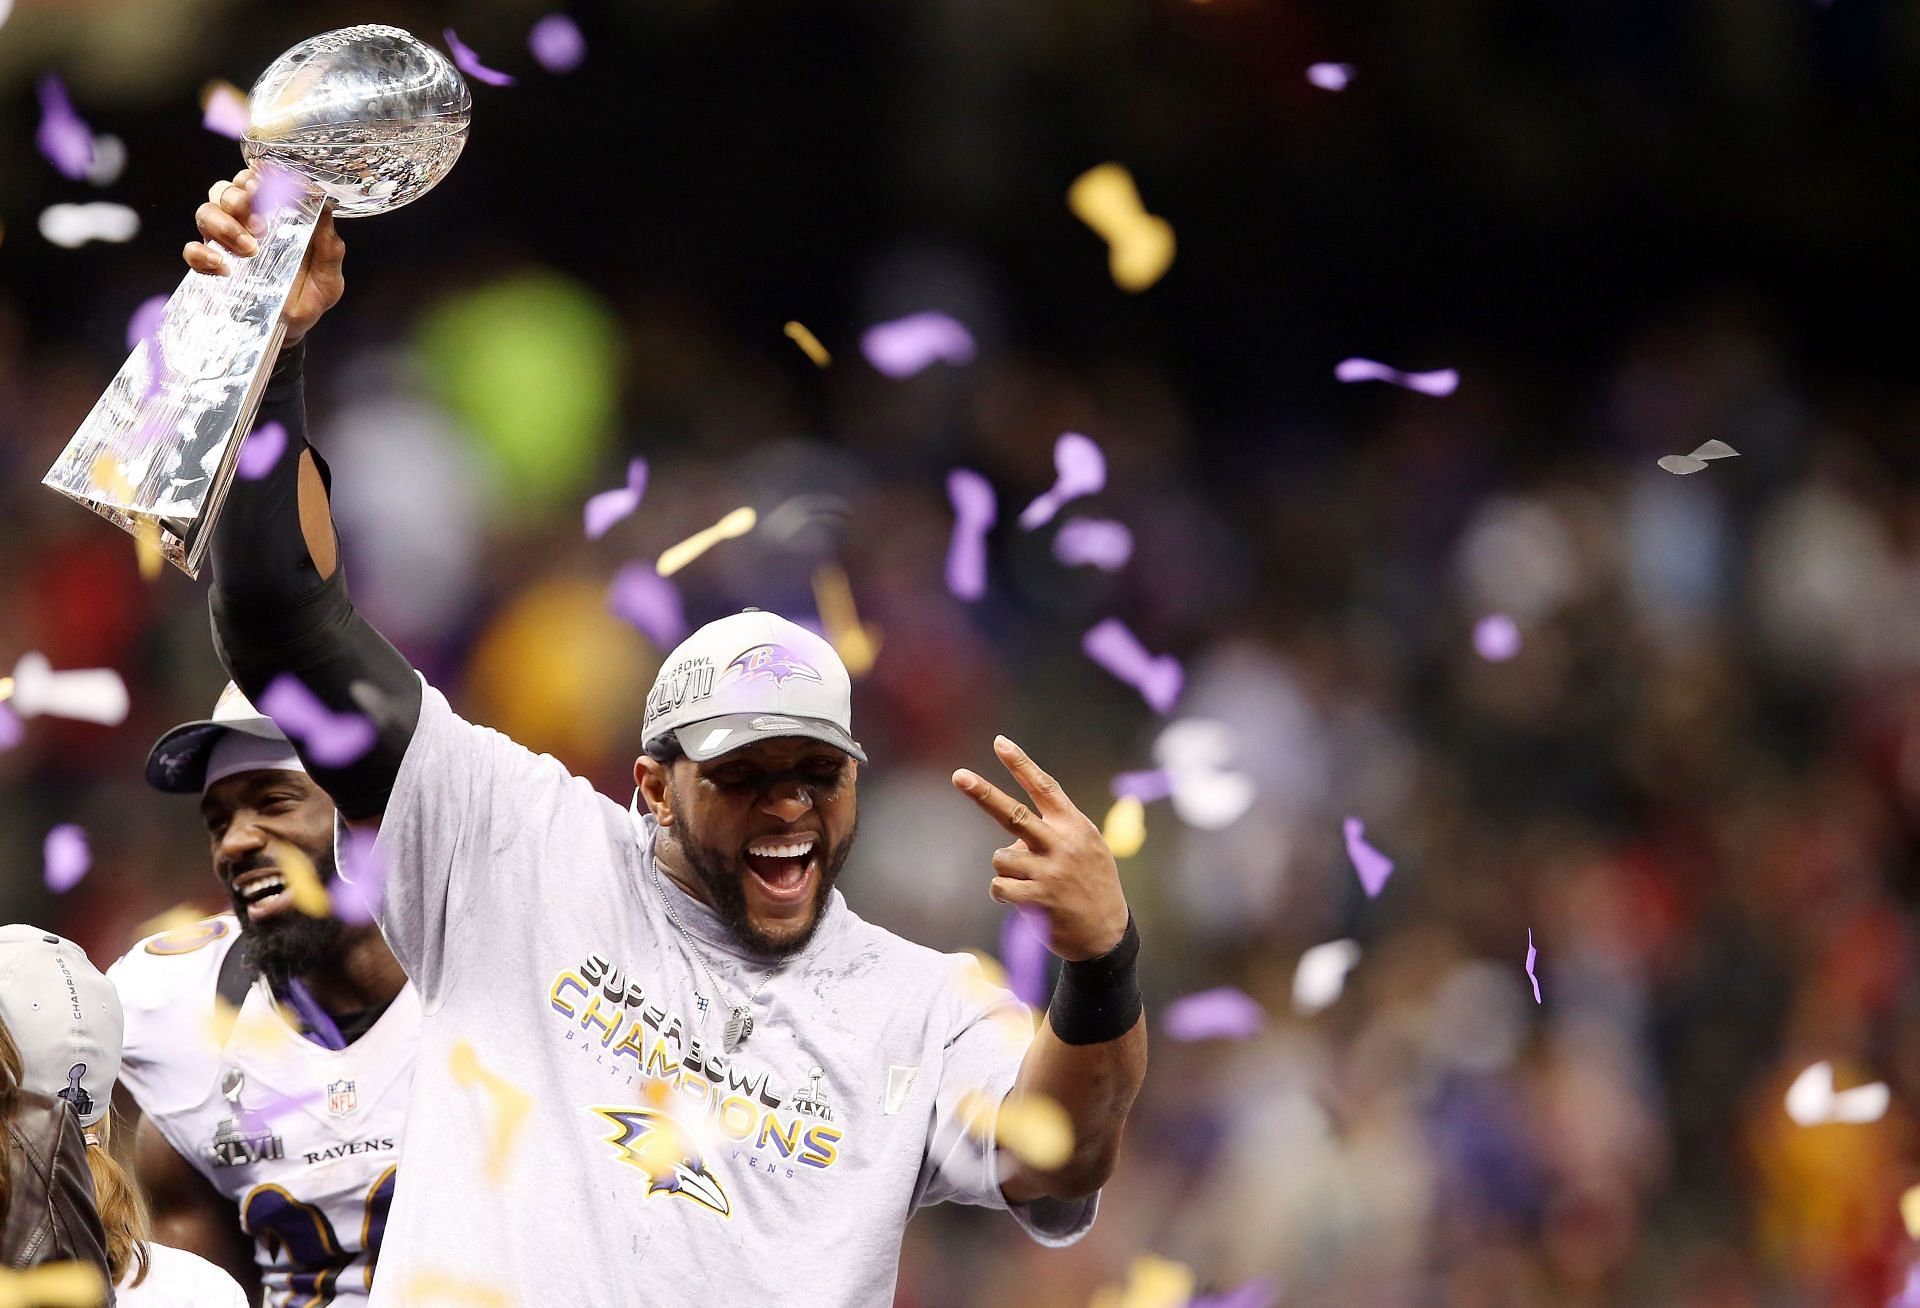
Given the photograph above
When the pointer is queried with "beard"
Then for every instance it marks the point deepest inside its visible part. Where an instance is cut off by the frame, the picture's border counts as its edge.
(290, 944)
(725, 880)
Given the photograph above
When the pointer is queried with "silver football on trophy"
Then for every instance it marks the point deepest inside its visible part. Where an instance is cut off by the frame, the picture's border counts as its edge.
(371, 115)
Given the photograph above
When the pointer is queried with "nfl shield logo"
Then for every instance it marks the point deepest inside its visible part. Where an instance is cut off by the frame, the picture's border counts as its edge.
(341, 1098)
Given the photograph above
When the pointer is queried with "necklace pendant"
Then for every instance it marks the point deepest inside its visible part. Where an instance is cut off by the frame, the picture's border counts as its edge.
(739, 1027)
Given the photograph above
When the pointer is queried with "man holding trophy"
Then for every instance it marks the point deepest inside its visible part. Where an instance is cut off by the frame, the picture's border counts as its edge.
(660, 1055)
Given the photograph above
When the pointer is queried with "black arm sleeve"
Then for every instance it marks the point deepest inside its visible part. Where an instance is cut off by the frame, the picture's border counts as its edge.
(275, 613)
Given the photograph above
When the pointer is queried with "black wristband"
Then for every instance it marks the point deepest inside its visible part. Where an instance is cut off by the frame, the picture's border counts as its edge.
(287, 370)
(1098, 999)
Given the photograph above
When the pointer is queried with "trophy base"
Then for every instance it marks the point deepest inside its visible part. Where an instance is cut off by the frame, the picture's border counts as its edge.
(158, 452)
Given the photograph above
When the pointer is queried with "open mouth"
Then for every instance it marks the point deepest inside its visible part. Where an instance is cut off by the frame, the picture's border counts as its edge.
(263, 893)
(783, 865)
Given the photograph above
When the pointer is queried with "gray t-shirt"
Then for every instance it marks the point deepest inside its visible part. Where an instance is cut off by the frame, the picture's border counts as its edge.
(637, 1163)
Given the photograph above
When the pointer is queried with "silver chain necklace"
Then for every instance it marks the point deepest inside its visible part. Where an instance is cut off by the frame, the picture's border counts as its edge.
(740, 1019)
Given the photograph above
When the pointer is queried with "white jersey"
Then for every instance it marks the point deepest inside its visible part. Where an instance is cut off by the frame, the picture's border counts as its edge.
(304, 1140)
(178, 1279)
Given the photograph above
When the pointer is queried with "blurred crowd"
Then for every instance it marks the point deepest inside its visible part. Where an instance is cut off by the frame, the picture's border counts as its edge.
(1697, 783)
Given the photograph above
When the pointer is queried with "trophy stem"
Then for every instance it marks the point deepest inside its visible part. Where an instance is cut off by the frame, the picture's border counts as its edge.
(160, 447)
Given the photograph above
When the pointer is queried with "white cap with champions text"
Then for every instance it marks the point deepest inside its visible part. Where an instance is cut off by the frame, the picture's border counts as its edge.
(746, 678)
(64, 1017)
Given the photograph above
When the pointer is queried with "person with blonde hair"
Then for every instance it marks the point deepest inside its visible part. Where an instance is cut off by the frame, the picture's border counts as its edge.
(46, 1194)
(65, 1025)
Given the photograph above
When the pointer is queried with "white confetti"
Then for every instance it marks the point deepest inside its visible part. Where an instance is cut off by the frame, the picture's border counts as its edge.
(1812, 1100)
(73, 225)
(1322, 974)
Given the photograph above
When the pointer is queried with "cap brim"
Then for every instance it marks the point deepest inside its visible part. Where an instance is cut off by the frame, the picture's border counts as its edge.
(177, 763)
(710, 738)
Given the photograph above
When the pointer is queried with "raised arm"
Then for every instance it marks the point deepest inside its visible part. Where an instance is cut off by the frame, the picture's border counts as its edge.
(279, 595)
(1090, 1055)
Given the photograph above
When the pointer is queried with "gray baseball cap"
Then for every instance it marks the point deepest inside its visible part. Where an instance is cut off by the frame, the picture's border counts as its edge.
(750, 677)
(64, 1016)
(177, 763)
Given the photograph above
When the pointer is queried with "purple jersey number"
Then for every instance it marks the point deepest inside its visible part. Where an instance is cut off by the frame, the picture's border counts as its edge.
(314, 1255)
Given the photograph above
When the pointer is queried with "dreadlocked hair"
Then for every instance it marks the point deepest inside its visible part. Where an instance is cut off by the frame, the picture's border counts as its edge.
(122, 1207)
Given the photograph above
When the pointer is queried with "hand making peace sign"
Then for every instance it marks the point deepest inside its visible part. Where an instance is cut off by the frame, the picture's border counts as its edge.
(1058, 864)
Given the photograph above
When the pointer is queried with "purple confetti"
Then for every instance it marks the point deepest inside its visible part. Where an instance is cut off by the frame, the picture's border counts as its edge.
(556, 43)
(1909, 1296)
(905, 346)
(332, 739)
(64, 137)
(1024, 953)
(67, 857)
(1496, 638)
(261, 451)
(277, 1105)
(1373, 867)
(1147, 786)
(1119, 651)
(10, 728)
(157, 424)
(144, 325)
(1532, 954)
(610, 506)
(1257, 1293)
(469, 63)
(1443, 382)
(1079, 469)
(641, 596)
(1222, 1014)
(279, 188)
(1330, 77)
(226, 113)
(1105, 544)
(974, 513)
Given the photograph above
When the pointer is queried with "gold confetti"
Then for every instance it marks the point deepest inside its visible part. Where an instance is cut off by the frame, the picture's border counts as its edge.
(222, 87)
(857, 645)
(146, 528)
(806, 340)
(303, 883)
(991, 976)
(1139, 245)
(737, 523)
(1125, 829)
(988, 987)
(1910, 1212)
(511, 1105)
(53, 1285)
(427, 1286)
(6, 689)
(177, 918)
(1152, 1282)
(1033, 1128)
(219, 1025)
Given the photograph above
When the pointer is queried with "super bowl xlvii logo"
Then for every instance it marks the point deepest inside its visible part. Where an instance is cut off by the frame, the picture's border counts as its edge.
(812, 1100)
(242, 1138)
(776, 661)
(689, 679)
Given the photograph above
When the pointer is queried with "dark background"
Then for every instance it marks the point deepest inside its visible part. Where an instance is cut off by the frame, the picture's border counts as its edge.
(1632, 227)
